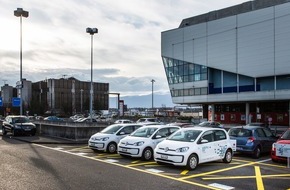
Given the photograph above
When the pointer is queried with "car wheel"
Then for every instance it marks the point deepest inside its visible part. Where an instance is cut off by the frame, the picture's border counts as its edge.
(192, 162)
(112, 147)
(228, 156)
(4, 132)
(257, 152)
(147, 154)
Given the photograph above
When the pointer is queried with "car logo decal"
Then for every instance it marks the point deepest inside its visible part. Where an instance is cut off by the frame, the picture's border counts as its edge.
(166, 149)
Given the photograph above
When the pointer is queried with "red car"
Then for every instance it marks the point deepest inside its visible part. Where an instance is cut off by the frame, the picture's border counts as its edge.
(284, 139)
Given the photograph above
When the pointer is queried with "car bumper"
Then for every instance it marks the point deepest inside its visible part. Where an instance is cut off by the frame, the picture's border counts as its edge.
(175, 159)
(25, 131)
(97, 145)
(130, 151)
(277, 158)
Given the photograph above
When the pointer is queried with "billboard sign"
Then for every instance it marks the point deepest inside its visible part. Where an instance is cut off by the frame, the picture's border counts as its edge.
(16, 102)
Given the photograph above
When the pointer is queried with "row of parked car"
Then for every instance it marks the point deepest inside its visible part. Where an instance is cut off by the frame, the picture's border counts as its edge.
(185, 145)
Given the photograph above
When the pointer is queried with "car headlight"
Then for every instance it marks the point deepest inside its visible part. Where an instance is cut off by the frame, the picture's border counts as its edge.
(104, 139)
(183, 149)
(17, 126)
(138, 143)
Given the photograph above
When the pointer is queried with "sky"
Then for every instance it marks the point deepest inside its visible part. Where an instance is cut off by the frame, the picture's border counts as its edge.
(126, 49)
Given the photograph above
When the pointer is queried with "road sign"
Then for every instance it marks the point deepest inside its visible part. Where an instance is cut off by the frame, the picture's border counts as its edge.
(1, 102)
(16, 102)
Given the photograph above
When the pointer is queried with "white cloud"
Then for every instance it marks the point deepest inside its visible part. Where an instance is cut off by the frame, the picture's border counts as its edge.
(126, 50)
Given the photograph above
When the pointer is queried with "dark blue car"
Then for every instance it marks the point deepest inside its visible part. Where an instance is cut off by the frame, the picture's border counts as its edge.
(253, 140)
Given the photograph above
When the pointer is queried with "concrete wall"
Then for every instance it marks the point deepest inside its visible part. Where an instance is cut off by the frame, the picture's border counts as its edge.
(71, 131)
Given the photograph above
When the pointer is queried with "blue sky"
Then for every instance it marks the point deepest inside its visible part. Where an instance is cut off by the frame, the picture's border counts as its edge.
(126, 50)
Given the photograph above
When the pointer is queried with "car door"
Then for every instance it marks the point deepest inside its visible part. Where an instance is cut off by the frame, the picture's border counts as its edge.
(270, 139)
(261, 139)
(125, 131)
(221, 143)
(161, 134)
(207, 147)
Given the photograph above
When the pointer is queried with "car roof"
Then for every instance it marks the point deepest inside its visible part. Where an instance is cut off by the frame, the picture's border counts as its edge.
(126, 124)
(16, 116)
(202, 128)
(159, 126)
(247, 127)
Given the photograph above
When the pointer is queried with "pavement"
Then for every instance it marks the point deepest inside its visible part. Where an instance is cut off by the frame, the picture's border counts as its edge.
(42, 139)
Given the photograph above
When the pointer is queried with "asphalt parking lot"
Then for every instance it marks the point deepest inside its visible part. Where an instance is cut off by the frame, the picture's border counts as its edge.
(242, 173)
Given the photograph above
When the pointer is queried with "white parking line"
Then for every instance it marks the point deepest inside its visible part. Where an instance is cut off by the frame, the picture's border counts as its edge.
(111, 160)
(80, 153)
(221, 186)
(154, 170)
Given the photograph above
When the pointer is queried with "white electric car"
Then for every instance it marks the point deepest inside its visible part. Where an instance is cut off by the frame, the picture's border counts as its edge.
(108, 139)
(142, 142)
(195, 145)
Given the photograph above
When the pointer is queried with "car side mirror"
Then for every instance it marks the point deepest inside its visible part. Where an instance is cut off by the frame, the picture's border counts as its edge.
(158, 137)
(122, 133)
(204, 141)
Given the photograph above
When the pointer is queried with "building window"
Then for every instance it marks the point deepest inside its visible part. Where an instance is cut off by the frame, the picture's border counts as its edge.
(180, 71)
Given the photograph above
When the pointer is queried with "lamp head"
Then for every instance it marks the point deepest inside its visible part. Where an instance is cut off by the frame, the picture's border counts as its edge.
(92, 31)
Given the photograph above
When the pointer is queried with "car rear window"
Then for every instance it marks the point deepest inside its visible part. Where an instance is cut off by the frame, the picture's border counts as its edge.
(240, 132)
(286, 135)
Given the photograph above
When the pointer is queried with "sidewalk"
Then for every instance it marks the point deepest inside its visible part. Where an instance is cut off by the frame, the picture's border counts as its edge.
(40, 139)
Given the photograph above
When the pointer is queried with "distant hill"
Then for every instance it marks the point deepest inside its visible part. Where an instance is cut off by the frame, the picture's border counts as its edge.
(143, 101)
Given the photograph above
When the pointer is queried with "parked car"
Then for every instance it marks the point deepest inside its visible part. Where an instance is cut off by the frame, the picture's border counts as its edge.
(17, 124)
(52, 118)
(108, 139)
(145, 120)
(85, 120)
(210, 124)
(123, 121)
(142, 142)
(76, 117)
(253, 140)
(284, 139)
(195, 145)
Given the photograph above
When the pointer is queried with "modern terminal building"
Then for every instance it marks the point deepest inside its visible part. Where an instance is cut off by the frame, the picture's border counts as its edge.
(235, 62)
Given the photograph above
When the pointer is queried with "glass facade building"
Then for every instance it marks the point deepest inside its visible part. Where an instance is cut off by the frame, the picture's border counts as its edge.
(234, 56)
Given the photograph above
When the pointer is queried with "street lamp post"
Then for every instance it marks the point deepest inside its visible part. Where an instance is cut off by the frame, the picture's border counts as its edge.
(91, 31)
(152, 94)
(21, 13)
(82, 100)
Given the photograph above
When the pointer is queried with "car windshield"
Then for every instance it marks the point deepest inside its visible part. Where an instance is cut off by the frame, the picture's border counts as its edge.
(186, 136)
(286, 135)
(20, 120)
(240, 132)
(111, 129)
(144, 132)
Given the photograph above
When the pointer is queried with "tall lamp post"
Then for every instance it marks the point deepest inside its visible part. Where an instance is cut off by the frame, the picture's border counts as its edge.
(91, 31)
(21, 13)
(152, 93)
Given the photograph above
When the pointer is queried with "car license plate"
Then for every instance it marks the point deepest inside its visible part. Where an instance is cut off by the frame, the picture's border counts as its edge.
(124, 149)
(27, 130)
(164, 156)
(239, 148)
